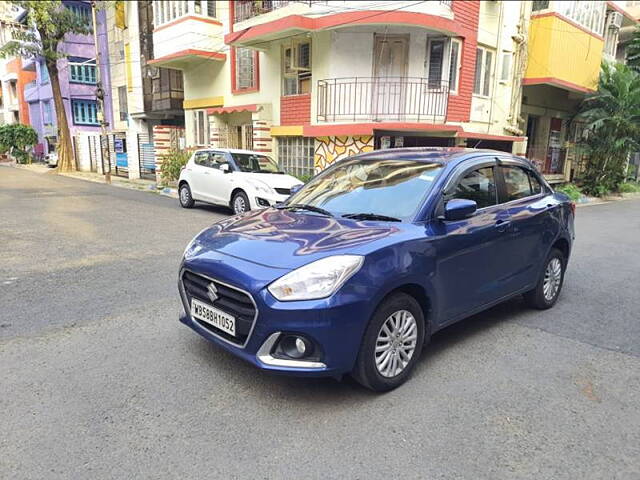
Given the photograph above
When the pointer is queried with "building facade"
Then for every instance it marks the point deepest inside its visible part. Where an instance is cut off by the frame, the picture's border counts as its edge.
(78, 84)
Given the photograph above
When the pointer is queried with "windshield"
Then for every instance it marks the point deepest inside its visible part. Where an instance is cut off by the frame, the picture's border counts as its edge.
(251, 162)
(393, 188)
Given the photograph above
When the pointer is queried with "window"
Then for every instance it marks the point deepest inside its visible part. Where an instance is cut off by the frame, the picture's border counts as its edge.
(84, 12)
(85, 112)
(122, 102)
(536, 186)
(454, 65)
(436, 60)
(539, 5)
(484, 61)
(295, 155)
(167, 11)
(201, 158)
(296, 68)
(245, 68)
(44, 74)
(505, 73)
(479, 186)
(82, 71)
(47, 112)
(200, 122)
(517, 183)
(251, 162)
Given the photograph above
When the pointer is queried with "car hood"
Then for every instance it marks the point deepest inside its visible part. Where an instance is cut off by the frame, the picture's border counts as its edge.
(274, 180)
(286, 239)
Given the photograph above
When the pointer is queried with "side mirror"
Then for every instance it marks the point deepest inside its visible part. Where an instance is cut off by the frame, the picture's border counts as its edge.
(296, 188)
(459, 209)
(225, 168)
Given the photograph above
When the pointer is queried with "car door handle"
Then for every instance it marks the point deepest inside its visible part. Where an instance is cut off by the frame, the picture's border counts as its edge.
(502, 225)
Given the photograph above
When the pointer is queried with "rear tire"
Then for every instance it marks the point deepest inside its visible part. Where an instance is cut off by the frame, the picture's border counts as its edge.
(546, 293)
(184, 194)
(240, 203)
(387, 355)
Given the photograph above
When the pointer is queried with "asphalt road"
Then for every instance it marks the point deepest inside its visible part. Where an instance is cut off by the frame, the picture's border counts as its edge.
(98, 379)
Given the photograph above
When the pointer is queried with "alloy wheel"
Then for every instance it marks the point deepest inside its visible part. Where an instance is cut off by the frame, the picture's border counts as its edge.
(552, 279)
(184, 195)
(396, 343)
(239, 205)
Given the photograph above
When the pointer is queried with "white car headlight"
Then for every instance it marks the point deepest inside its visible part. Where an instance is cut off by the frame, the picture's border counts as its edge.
(261, 186)
(318, 279)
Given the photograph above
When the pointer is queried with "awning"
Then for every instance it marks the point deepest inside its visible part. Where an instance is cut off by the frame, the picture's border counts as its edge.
(236, 109)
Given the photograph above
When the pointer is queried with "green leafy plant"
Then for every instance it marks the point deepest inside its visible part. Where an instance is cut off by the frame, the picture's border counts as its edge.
(16, 139)
(613, 125)
(571, 190)
(304, 177)
(172, 163)
(630, 187)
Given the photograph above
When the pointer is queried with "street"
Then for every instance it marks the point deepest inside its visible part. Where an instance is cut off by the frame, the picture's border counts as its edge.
(98, 379)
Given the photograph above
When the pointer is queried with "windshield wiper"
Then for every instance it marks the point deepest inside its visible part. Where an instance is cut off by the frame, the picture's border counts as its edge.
(305, 206)
(370, 216)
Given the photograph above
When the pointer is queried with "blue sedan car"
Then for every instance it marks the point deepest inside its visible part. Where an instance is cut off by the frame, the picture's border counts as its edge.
(358, 268)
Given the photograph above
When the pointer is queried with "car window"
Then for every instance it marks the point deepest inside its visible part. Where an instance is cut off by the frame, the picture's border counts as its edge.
(536, 187)
(516, 181)
(478, 185)
(254, 162)
(201, 158)
(216, 160)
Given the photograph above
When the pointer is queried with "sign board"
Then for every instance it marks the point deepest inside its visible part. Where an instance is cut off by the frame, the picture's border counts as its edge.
(399, 142)
(122, 160)
(385, 142)
(118, 145)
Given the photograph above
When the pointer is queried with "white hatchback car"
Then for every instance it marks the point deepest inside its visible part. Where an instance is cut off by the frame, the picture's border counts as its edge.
(240, 179)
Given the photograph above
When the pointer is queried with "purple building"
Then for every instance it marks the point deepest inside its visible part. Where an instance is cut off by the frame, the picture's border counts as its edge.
(78, 77)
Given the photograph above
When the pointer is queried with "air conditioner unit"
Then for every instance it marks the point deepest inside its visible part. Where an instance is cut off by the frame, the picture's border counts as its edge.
(614, 20)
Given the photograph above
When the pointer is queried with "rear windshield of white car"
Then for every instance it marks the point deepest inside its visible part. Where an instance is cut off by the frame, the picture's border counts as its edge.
(394, 188)
(251, 162)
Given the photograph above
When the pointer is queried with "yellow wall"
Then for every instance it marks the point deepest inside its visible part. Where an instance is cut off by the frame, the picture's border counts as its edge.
(560, 50)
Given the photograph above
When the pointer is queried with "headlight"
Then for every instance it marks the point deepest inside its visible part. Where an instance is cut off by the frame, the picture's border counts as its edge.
(261, 186)
(318, 279)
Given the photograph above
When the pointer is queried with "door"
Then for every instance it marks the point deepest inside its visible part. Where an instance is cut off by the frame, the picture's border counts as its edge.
(218, 183)
(531, 209)
(389, 72)
(470, 272)
(199, 178)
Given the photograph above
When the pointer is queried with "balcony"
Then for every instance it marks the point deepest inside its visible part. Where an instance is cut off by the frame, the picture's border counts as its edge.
(387, 99)
(186, 34)
(11, 32)
(258, 21)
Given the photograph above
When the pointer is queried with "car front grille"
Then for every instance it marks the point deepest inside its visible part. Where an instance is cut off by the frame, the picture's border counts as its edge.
(283, 191)
(230, 300)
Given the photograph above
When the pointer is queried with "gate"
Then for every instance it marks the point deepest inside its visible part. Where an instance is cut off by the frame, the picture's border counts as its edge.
(116, 148)
(146, 157)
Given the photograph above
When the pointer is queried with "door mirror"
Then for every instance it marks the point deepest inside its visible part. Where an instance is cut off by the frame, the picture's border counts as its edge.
(225, 168)
(459, 209)
(296, 188)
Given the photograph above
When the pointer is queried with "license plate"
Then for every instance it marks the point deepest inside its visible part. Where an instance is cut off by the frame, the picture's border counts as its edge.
(213, 316)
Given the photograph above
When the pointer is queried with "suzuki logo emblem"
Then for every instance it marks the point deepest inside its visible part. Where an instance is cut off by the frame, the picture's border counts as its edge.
(212, 291)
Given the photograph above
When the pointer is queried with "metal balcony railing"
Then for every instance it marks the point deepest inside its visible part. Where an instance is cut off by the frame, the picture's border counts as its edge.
(245, 9)
(382, 99)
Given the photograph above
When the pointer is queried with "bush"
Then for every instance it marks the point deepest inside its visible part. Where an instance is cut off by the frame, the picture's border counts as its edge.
(571, 190)
(630, 187)
(172, 163)
(16, 139)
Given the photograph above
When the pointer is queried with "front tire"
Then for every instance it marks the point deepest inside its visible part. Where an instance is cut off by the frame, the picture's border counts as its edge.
(240, 203)
(546, 293)
(391, 345)
(186, 199)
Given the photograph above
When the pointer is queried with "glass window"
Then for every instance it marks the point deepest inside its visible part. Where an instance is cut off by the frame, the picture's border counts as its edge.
(80, 72)
(85, 112)
(506, 67)
(436, 59)
(295, 155)
(84, 12)
(44, 73)
(482, 82)
(252, 162)
(536, 186)
(454, 65)
(516, 182)
(47, 113)
(479, 186)
(201, 158)
(245, 68)
(122, 102)
(217, 159)
(296, 68)
(394, 188)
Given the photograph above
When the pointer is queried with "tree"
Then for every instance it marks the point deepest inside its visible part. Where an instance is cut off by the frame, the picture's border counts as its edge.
(49, 21)
(612, 114)
(633, 51)
(16, 138)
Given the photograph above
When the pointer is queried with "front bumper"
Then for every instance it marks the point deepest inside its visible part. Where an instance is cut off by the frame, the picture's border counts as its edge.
(264, 201)
(335, 325)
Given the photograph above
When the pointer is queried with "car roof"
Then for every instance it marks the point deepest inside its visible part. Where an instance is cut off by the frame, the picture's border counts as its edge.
(429, 154)
(229, 150)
